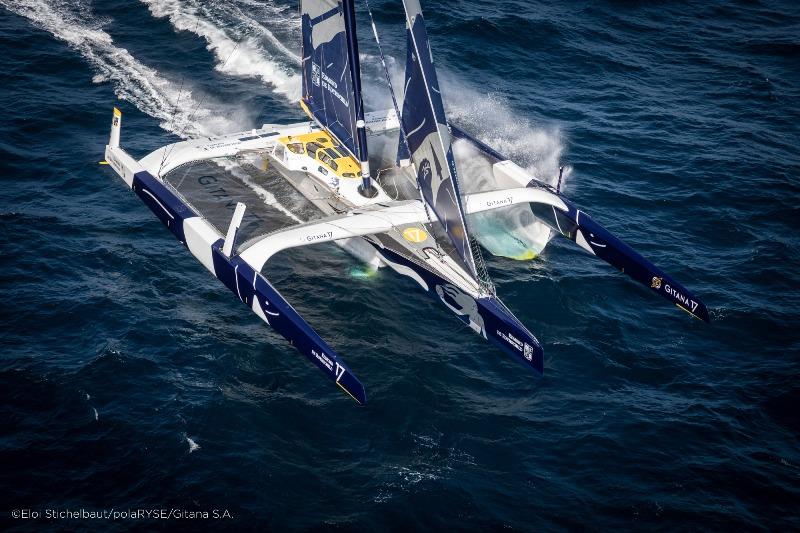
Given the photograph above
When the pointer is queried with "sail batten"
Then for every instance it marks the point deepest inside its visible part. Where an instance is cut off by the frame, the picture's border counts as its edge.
(428, 138)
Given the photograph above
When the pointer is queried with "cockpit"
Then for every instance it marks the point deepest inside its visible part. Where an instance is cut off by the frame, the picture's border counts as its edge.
(323, 148)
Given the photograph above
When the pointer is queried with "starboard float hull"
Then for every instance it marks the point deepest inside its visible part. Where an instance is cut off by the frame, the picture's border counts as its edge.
(576, 225)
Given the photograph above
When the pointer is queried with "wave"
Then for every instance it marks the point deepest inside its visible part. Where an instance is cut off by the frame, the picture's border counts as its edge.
(193, 446)
(238, 55)
(174, 105)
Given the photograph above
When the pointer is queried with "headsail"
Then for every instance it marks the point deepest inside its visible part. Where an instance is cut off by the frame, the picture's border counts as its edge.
(428, 136)
(331, 73)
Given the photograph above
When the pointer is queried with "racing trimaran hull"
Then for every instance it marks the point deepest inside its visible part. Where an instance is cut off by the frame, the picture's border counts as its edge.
(425, 238)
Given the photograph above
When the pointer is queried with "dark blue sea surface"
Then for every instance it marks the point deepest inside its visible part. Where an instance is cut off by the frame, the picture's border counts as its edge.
(130, 378)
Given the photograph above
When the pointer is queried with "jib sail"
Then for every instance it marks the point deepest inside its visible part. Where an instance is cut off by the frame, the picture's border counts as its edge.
(428, 136)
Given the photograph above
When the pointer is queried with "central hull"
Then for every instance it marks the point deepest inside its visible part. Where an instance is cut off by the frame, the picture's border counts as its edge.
(485, 314)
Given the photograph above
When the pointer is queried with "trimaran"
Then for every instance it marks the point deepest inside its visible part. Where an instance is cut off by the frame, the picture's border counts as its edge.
(411, 217)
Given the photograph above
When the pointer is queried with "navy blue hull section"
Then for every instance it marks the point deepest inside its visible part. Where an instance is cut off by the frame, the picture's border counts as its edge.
(169, 209)
(626, 259)
(505, 330)
(251, 288)
(248, 286)
(486, 316)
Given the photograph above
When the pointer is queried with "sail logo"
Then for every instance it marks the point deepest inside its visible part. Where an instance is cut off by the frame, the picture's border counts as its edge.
(425, 171)
(316, 75)
(320, 79)
(528, 353)
(656, 283)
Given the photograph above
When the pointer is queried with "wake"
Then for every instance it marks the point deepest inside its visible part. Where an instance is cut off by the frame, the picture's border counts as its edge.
(244, 47)
(241, 53)
(173, 105)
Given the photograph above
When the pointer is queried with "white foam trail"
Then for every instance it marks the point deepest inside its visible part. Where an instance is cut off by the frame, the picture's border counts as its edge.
(250, 15)
(96, 415)
(509, 232)
(173, 105)
(193, 446)
(243, 57)
(283, 16)
(488, 117)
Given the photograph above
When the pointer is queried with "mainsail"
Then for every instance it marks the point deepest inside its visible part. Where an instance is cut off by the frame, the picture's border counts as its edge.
(331, 74)
(428, 137)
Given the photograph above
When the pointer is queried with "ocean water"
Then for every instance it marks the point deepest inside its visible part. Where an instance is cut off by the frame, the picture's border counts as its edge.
(130, 378)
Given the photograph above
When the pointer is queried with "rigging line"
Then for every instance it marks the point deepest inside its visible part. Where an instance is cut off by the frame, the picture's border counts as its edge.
(174, 113)
(190, 119)
(386, 73)
(403, 135)
(180, 183)
(175, 108)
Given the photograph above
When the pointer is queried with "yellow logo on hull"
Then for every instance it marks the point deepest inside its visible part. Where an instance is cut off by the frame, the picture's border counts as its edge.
(415, 234)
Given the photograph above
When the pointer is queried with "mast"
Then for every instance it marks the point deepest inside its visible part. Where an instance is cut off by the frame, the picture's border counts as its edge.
(332, 77)
(366, 188)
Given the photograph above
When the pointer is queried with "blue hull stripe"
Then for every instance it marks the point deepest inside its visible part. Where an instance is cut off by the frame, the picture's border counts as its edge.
(164, 203)
(248, 285)
(495, 321)
(238, 276)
